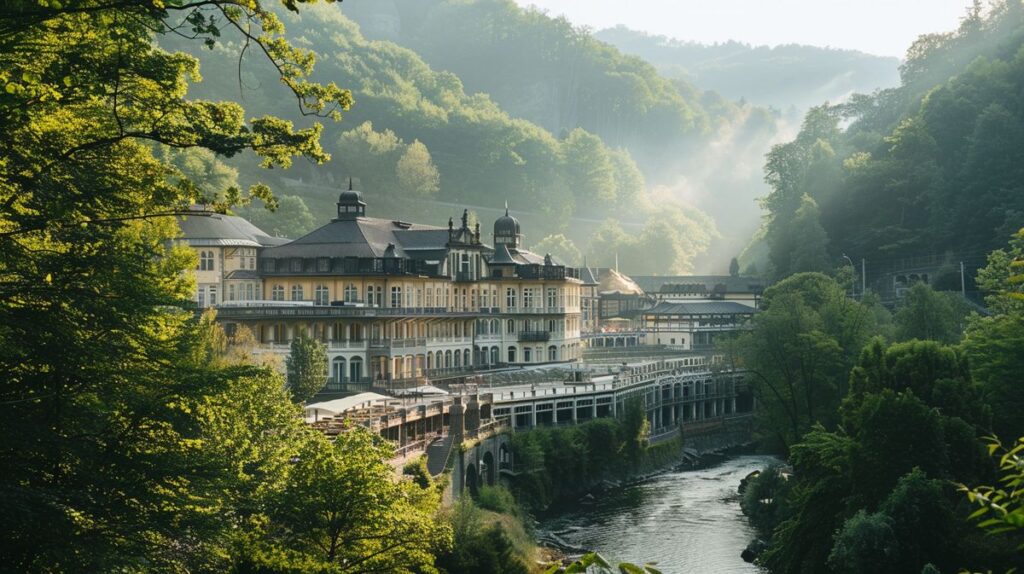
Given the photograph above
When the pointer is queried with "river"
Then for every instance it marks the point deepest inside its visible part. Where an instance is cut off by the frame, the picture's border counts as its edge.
(686, 521)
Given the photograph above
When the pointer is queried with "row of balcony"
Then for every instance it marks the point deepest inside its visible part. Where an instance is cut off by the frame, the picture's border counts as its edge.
(416, 342)
(270, 311)
(525, 311)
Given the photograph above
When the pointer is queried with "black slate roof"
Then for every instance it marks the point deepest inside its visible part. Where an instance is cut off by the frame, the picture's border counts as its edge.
(366, 237)
(211, 229)
(501, 256)
(587, 276)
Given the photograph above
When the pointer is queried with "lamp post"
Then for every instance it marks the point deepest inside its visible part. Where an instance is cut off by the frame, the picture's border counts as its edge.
(853, 272)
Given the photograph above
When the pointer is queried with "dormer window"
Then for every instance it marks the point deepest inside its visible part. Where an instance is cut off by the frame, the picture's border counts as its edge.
(350, 204)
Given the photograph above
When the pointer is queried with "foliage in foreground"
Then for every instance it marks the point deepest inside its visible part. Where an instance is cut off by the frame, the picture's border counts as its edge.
(134, 441)
(594, 562)
(1001, 508)
(484, 542)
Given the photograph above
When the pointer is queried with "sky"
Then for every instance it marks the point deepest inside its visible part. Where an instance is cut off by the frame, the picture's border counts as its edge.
(881, 27)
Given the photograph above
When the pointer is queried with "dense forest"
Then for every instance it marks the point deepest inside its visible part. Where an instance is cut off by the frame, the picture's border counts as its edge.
(791, 78)
(891, 417)
(929, 167)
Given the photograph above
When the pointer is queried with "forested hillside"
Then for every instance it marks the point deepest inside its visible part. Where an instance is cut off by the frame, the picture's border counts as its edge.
(691, 144)
(933, 166)
(422, 147)
(541, 68)
(791, 78)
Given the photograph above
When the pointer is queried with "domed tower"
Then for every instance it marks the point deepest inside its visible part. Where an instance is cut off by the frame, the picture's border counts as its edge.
(506, 231)
(350, 204)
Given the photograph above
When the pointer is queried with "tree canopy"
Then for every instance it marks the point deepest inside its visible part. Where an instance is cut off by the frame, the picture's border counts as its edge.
(929, 167)
(134, 439)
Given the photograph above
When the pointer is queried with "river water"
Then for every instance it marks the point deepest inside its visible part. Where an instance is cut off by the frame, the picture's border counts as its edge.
(686, 521)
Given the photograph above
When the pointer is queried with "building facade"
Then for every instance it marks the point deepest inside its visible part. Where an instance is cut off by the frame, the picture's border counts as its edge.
(397, 301)
(227, 248)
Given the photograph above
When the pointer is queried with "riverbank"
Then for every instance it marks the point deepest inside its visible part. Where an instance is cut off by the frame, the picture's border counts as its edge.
(561, 470)
(686, 520)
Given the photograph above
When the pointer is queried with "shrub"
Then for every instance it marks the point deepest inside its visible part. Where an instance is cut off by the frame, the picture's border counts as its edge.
(496, 498)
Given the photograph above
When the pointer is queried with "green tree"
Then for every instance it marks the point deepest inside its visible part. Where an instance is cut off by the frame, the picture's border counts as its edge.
(764, 499)
(798, 353)
(416, 173)
(290, 218)
(927, 314)
(370, 156)
(479, 547)
(1001, 507)
(561, 248)
(993, 342)
(306, 366)
(803, 244)
(608, 241)
(590, 173)
(341, 510)
(865, 543)
(629, 181)
(636, 429)
(201, 166)
(107, 398)
(734, 267)
(924, 523)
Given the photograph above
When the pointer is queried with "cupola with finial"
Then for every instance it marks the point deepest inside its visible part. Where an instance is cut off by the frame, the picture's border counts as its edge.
(350, 204)
(506, 230)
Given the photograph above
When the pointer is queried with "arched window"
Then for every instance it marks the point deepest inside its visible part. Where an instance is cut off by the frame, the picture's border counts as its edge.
(458, 358)
(467, 357)
(206, 260)
(296, 292)
(355, 369)
(494, 355)
(338, 369)
(322, 295)
(511, 325)
(277, 293)
(552, 353)
(511, 354)
(351, 293)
